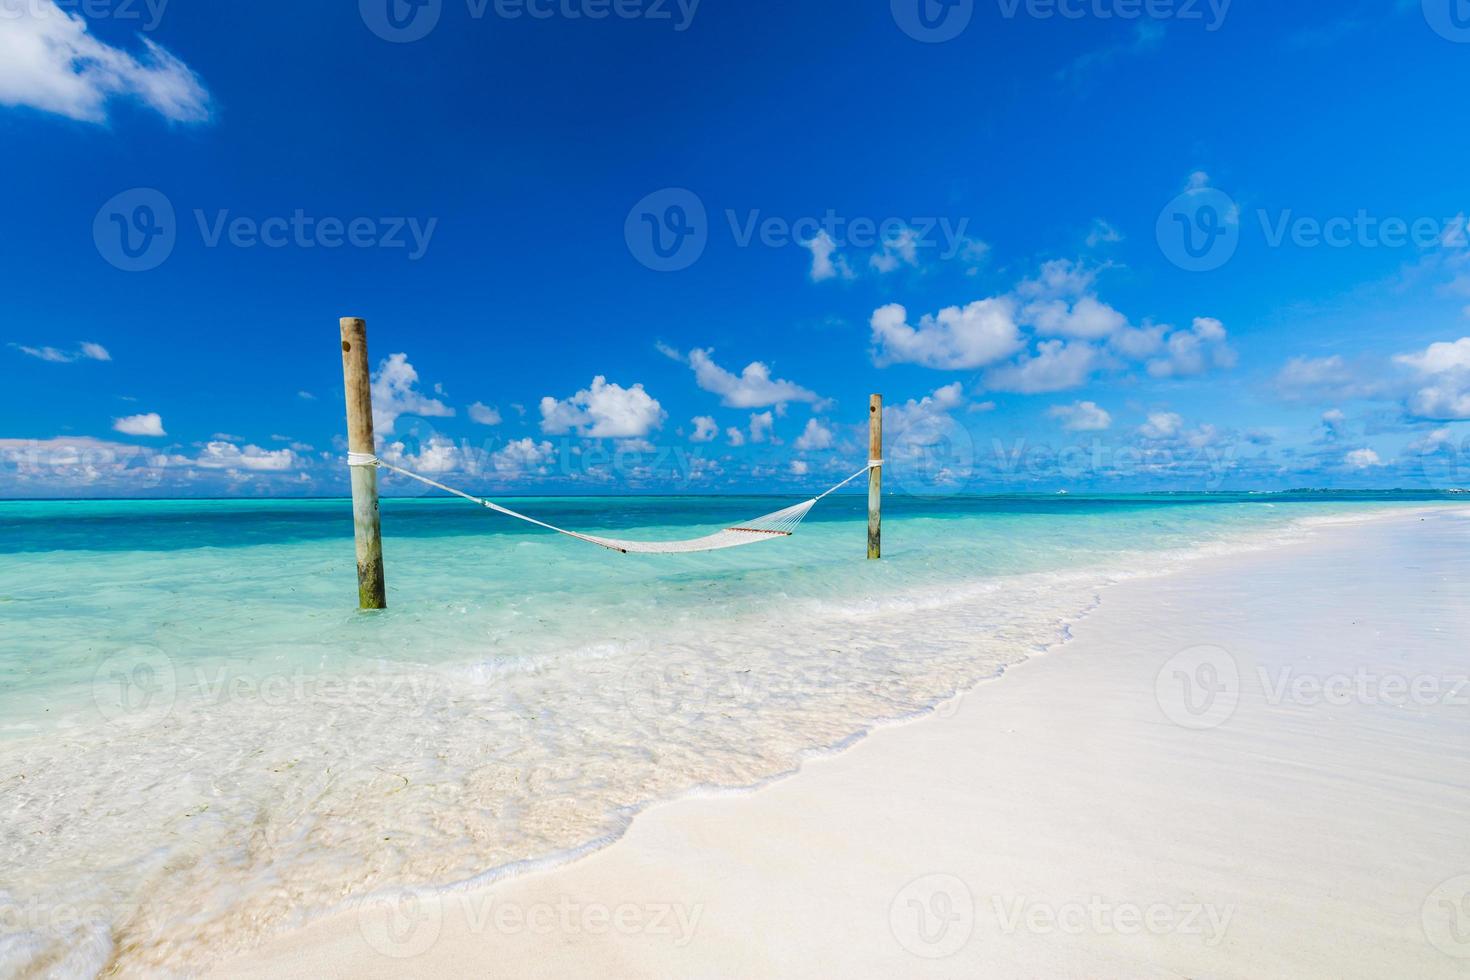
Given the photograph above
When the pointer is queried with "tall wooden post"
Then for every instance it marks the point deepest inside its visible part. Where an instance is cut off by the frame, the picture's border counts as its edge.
(372, 593)
(875, 478)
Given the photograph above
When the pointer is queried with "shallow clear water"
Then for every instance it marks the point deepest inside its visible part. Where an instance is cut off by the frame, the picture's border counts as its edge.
(201, 741)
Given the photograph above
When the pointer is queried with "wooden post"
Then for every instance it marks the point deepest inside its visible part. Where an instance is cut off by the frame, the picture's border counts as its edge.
(372, 593)
(875, 478)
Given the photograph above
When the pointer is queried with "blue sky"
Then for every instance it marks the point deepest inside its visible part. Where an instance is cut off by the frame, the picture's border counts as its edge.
(1105, 245)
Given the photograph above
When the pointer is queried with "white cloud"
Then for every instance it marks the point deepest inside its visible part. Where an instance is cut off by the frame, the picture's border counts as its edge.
(1432, 442)
(1334, 419)
(1440, 358)
(814, 437)
(306, 396)
(924, 421)
(1082, 417)
(752, 388)
(760, 426)
(603, 411)
(1057, 366)
(522, 455)
(1138, 343)
(799, 467)
(1195, 351)
(826, 264)
(147, 424)
(1304, 373)
(901, 249)
(484, 414)
(955, 339)
(86, 351)
(395, 393)
(1362, 459)
(1102, 233)
(1445, 367)
(227, 455)
(705, 429)
(1059, 278)
(1161, 425)
(1087, 319)
(49, 61)
(734, 436)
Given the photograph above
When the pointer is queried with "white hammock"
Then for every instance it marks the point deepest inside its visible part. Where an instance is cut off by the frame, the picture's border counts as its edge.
(781, 524)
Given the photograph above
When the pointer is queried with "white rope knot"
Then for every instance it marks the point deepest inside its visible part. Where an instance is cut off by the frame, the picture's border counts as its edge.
(362, 459)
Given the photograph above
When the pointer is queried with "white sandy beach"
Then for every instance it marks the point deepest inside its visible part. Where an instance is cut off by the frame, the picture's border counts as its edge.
(1085, 815)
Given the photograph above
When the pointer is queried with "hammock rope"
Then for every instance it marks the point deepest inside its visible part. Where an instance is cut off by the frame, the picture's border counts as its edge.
(768, 527)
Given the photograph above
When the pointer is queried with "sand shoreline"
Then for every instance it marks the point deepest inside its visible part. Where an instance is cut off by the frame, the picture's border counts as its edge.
(1059, 822)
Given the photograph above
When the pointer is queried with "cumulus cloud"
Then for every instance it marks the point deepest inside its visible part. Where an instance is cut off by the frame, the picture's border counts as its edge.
(1362, 459)
(85, 351)
(1082, 417)
(814, 437)
(826, 263)
(147, 424)
(603, 411)
(925, 418)
(901, 249)
(1444, 372)
(521, 456)
(1087, 319)
(51, 62)
(227, 455)
(751, 388)
(1056, 366)
(1440, 358)
(483, 414)
(1303, 374)
(1161, 425)
(395, 393)
(799, 468)
(734, 436)
(760, 426)
(954, 339)
(1102, 233)
(1076, 333)
(1060, 302)
(1194, 351)
(705, 429)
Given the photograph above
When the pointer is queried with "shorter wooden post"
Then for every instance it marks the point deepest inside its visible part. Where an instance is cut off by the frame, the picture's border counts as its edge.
(372, 592)
(875, 478)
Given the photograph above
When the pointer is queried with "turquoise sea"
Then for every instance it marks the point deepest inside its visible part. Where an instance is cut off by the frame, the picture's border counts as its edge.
(202, 741)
